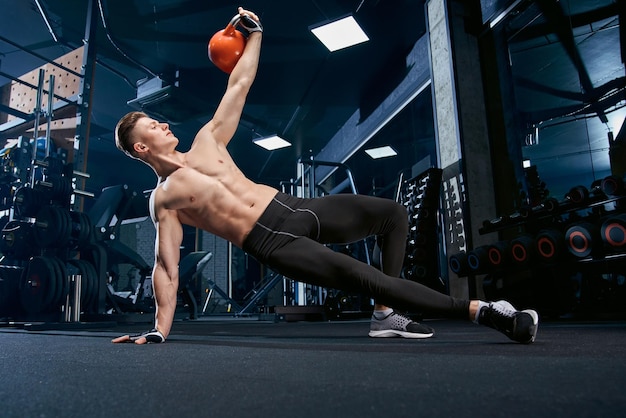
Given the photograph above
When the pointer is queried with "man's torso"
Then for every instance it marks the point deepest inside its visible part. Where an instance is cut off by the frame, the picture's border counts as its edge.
(212, 194)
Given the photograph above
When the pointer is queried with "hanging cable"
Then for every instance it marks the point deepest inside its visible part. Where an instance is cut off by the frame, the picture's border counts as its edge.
(108, 35)
(359, 6)
(64, 43)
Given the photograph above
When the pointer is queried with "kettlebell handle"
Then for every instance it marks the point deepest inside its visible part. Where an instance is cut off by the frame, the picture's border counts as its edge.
(231, 25)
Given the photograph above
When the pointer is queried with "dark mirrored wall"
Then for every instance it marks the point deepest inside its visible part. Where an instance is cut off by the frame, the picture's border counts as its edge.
(411, 134)
(566, 79)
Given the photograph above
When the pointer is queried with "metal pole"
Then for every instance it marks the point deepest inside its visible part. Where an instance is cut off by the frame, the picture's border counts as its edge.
(37, 109)
(302, 287)
(68, 303)
(50, 113)
(229, 272)
(72, 300)
(302, 179)
(77, 279)
(85, 96)
(41, 57)
(206, 302)
(37, 113)
(312, 179)
(399, 189)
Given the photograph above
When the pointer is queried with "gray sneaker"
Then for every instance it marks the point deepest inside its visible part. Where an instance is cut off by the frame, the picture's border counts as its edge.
(520, 326)
(398, 325)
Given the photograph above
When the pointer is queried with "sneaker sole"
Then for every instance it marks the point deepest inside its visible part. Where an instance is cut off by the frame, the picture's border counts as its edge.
(535, 327)
(403, 334)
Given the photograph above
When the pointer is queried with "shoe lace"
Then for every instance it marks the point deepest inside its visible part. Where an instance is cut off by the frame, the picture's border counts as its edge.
(502, 309)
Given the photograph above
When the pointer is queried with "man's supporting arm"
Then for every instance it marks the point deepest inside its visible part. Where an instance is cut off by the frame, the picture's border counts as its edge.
(164, 276)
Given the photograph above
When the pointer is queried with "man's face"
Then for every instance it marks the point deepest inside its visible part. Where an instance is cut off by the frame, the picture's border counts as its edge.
(155, 135)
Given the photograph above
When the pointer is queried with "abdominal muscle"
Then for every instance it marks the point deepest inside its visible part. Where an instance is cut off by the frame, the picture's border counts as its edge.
(226, 204)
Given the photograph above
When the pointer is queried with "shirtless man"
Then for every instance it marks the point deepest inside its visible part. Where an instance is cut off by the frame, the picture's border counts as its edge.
(204, 188)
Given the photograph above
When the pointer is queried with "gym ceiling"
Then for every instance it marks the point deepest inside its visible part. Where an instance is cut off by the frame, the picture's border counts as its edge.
(567, 74)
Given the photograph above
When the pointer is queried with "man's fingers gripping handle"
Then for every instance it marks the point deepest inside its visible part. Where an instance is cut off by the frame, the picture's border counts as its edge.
(250, 24)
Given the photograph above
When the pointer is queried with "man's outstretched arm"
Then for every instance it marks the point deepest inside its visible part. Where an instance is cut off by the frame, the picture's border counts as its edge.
(226, 118)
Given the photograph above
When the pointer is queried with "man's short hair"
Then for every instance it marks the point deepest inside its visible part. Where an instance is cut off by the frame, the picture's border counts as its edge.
(123, 132)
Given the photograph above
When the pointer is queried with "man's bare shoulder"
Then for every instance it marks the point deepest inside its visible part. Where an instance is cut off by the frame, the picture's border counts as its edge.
(169, 191)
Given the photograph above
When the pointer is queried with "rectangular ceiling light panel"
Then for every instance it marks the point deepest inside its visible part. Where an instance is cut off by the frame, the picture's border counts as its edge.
(340, 33)
(271, 142)
(381, 152)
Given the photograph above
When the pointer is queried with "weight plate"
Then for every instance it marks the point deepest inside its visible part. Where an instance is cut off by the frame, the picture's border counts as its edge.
(66, 230)
(62, 282)
(83, 237)
(9, 237)
(76, 227)
(95, 285)
(47, 226)
(89, 275)
(65, 271)
(613, 231)
(87, 228)
(27, 202)
(37, 287)
(58, 286)
(88, 284)
(51, 278)
(582, 239)
(92, 288)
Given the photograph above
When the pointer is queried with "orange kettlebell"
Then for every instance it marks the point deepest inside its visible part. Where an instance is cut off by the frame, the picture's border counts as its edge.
(226, 46)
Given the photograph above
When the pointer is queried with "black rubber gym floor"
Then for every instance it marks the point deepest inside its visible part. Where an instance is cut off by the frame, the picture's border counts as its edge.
(231, 367)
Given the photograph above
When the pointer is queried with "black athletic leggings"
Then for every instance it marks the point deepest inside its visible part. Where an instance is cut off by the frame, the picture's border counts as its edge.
(289, 238)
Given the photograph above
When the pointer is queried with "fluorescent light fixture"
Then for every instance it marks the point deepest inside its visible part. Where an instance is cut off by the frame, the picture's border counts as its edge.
(340, 33)
(504, 14)
(271, 142)
(381, 152)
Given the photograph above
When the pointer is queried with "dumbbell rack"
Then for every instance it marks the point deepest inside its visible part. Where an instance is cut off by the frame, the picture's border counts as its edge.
(420, 196)
(582, 235)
